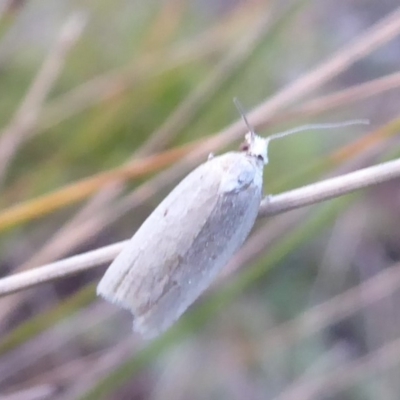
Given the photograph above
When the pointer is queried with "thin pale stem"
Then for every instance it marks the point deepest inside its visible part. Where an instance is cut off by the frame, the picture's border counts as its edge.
(271, 205)
(329, 188)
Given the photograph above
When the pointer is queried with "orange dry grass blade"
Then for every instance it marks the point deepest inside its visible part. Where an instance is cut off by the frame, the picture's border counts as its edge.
(82, 189)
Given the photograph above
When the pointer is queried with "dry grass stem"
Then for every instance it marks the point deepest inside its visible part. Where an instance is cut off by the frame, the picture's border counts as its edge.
(39, 392)
(271, 205)
(337, 308)
(24, 121)
(383, 359)
(83, 188)
(104, 86)
(330, 188)
(59, 269)
(342, 98)
(189, 107)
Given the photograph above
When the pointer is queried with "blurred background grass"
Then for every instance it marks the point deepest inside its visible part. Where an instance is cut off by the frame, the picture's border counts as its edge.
(311, 309)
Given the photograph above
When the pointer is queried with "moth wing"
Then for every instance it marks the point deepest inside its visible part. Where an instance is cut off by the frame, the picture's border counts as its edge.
(184, 243)
(139, 275)
(222, 234)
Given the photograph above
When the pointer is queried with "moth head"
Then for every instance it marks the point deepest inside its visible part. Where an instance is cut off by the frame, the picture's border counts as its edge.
(255, 146)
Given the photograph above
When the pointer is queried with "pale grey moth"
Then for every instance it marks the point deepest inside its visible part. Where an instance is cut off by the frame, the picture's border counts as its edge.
(182, 246)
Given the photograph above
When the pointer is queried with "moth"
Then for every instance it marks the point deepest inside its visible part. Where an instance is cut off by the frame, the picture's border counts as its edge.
(183, 245)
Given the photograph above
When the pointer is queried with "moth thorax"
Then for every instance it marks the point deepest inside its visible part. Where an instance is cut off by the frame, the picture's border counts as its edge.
(256, 146)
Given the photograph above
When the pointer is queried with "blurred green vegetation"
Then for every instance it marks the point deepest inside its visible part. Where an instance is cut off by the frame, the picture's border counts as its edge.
(138, 70)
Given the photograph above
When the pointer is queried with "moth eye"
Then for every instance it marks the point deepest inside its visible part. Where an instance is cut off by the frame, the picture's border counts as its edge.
(244, 147)
(260, 157)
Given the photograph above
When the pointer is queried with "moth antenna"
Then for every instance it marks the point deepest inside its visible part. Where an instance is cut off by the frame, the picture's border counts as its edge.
(243, 115)
(258, 146)
(329, 125)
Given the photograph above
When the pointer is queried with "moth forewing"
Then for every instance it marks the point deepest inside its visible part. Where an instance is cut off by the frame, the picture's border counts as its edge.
(223, 232)
(131, 280)
(184, 243)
